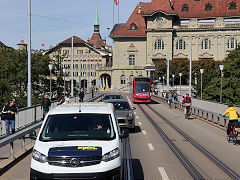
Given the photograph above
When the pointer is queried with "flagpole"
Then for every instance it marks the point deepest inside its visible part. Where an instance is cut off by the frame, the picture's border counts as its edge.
(118, 11)
(113, 13)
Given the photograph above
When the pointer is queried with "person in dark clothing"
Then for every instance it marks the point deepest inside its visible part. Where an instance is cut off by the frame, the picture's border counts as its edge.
(46, 104)
(81, 95)
(92, 92)
(10, 109)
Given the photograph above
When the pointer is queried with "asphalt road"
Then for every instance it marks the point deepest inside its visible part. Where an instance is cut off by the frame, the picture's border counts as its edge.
(151, 157)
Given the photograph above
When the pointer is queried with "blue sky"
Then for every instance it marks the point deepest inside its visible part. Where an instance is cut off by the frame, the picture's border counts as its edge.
(74, 17)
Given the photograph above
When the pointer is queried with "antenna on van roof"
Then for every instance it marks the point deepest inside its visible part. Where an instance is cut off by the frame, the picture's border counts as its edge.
(80, 107)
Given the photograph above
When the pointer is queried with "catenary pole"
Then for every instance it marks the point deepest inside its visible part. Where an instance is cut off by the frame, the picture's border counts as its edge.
(190, 69)
(72, 71)
(29, 56)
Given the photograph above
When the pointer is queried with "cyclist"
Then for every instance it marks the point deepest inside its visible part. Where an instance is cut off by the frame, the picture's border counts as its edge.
(187, 101)
(233, 117)
(170, 99)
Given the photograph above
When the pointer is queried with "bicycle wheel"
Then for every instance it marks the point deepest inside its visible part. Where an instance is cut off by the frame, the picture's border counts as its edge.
(229, 138)
(234, 139)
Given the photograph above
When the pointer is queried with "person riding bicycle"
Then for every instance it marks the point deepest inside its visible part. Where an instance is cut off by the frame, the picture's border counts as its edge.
(233, 117)
(187, 101)
(170, 98)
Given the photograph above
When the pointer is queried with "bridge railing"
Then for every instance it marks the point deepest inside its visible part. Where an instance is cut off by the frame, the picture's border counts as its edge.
(209, 116)
(34, 121)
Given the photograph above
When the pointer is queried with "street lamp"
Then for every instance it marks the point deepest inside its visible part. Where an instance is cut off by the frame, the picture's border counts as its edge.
(221, 69)
(180, 74)
(173, 79)
(50, 66)
(64, 73)
(201, 71)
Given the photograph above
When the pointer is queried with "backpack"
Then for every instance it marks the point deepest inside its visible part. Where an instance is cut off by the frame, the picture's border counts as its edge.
(188, 100)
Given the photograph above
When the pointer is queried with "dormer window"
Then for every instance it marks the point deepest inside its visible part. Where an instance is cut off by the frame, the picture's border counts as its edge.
(185, 7)
(133, 26)
(232, 5)
(208, 7)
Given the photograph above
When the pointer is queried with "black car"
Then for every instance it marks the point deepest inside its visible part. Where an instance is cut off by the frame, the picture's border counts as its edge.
(112, 96)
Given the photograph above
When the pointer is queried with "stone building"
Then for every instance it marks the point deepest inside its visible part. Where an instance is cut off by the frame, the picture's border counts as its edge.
(88, 57)
(164, 29)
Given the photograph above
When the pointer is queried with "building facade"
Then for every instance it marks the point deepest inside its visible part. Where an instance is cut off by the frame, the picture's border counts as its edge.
(180, 29)
(88, 58)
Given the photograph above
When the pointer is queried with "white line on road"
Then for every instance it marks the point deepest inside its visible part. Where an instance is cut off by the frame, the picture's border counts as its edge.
(150, 146)
(144, 132)
(137, 117)
(129, 101)
(140, 124)
(163, 173)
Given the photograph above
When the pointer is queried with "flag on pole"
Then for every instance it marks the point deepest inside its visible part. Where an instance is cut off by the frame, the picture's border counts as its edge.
(116, 2)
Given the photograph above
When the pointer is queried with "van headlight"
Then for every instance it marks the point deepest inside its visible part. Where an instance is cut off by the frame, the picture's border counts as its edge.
(111, 155)
(39, 156)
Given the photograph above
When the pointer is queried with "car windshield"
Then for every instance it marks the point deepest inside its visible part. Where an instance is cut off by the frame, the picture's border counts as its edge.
(121, 106)
(142, 87)
(112, 97)
(64, 127)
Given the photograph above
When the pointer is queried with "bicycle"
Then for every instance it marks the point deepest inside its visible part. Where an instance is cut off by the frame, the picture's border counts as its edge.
(188, 112)
(232, 137)
(170, 103)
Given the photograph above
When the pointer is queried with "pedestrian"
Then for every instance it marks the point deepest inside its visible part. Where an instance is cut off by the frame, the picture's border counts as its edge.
(81, 95)
(46, 104)
(10, 110)
(60, 100)
(92, 92)
(97, 90)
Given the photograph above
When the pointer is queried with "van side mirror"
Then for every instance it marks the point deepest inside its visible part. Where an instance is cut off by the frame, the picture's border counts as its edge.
(133, 108)
(33, 135)
(125, 134)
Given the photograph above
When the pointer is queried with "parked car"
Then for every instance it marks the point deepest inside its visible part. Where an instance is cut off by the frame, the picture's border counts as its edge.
(78, 142)
(112, 96)
(124, 112)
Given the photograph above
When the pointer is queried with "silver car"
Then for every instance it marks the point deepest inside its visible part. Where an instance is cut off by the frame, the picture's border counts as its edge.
(125, 115)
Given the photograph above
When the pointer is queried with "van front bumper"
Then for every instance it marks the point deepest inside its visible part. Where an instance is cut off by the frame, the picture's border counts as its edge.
(36, 175)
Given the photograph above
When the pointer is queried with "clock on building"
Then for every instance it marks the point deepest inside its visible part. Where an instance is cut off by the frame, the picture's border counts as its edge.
(159, 19)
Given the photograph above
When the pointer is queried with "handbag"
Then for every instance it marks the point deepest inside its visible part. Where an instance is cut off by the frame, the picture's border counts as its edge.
(3, 116)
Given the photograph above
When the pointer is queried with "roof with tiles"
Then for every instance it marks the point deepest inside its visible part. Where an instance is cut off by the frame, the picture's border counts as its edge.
(97, 41)
(76, 40)
(2, 45)
(196, 9)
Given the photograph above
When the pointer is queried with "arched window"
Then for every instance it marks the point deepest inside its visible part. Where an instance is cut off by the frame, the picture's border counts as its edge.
(185, 7)
(123, 79)
(180, 44)
(232, 43)
(208, 7)
(206, 44)
(159, 44)
(232, 5)
(133, 26)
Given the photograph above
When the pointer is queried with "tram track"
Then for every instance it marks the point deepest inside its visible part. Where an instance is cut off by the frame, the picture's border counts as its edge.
(192, 170)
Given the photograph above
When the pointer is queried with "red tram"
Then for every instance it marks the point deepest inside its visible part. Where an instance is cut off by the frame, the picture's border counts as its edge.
(140, 90)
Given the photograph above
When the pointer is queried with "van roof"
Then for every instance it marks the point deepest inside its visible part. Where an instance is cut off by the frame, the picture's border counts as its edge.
(101, 108)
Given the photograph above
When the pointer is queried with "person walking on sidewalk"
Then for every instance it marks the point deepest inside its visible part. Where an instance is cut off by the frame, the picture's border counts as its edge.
(10, 110)
(81, 95)
(46, 104)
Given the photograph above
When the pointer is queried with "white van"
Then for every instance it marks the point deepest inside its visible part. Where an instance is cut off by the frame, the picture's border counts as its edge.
(78, 141)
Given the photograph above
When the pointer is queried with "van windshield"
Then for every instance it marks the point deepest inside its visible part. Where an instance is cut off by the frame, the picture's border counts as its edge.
(64, 127)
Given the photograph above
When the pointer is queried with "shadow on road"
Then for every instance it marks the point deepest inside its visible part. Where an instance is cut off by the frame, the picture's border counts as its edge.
(137, 169)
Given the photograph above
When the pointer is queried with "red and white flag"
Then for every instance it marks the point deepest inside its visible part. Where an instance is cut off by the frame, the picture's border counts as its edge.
(116, 2)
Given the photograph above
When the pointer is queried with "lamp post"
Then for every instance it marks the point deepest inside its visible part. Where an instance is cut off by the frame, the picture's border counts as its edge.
(64, 72)
(221, 69)
(87, 52)
(163, 82)
(180, 74)
(201, 71)
(173, 80)
(50, 66)
(72, 71)
(190, 69)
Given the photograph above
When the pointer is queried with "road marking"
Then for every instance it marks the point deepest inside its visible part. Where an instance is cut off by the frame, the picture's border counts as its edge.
(140, 124)
(137, 117)
(135, 113)
(129, 101)
(163, 173)
(150, 146)
(144, 132)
